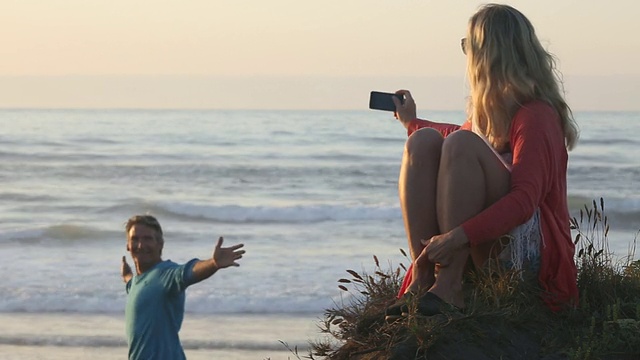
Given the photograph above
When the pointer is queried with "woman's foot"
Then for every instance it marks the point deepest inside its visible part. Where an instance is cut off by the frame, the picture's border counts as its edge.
(431, 304)
(449, 294)
(396, 310)
(428, 304)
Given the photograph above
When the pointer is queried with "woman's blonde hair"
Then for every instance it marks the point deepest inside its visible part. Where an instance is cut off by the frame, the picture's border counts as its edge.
(507, 67)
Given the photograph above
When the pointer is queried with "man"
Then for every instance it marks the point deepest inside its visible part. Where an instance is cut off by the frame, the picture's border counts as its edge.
(156, 295)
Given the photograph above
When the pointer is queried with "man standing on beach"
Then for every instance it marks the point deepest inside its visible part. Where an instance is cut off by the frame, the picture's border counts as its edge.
(156, 295)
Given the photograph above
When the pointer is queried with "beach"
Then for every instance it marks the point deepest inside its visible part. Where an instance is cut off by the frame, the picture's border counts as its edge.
(83, 336)
(311, 194)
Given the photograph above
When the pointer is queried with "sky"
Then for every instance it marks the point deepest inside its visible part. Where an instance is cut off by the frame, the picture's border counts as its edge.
(291, 54)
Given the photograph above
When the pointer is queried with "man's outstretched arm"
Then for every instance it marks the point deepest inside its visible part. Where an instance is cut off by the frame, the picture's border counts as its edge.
(125, 270)
(222, 257)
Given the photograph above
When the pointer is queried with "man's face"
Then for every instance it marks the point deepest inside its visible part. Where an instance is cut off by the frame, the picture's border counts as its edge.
(144, 245)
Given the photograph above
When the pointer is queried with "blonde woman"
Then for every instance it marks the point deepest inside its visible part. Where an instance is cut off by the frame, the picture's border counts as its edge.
(503, 172)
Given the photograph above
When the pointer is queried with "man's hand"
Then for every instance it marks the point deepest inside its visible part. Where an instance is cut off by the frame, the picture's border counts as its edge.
(227, 256)
(125, 270)
(405, 112)
(222, 257)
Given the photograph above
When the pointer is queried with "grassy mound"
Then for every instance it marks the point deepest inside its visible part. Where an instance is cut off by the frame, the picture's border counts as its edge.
(504, 317)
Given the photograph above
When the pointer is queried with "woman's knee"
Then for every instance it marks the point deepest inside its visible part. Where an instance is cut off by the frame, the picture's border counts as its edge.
(424, 142)
(461, 143)
(462, 148)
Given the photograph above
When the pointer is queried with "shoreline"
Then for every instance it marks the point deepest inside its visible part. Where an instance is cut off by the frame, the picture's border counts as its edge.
(102, 336)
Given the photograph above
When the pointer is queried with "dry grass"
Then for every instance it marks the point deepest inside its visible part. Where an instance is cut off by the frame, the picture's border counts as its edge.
(504, 317)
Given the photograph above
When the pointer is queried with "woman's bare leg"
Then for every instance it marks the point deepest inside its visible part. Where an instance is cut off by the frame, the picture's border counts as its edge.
(470, 179)
(417, 189)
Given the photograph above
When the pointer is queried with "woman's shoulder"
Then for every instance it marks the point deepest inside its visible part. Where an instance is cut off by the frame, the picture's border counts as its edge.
(537, 117)
(536, 108)
(536, 112)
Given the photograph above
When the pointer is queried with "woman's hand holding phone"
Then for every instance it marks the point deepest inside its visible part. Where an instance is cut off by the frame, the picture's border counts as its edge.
(405, 111)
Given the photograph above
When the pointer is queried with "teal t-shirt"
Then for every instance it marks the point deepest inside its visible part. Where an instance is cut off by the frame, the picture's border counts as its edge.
(155, 309)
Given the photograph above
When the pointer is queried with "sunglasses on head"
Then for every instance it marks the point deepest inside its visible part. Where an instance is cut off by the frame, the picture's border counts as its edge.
(463, 45)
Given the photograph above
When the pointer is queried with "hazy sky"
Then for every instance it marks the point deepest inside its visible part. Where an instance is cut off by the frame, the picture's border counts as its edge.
(291, 53)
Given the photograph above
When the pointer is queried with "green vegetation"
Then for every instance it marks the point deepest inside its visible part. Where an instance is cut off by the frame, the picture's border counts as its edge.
(504, 317)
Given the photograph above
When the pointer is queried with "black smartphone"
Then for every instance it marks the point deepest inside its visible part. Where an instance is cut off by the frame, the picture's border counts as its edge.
(383, 101)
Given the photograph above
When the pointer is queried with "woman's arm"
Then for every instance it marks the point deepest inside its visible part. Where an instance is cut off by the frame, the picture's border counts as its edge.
(538, 151)
(406, 114)
(444, 128)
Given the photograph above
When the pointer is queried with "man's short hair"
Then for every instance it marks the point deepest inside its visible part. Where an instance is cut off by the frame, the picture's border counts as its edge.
(146, 220)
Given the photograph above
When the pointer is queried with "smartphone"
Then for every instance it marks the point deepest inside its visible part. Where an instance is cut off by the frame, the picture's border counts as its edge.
(383, 101)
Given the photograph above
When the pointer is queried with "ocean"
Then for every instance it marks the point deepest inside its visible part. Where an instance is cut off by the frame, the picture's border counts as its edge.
(310, 194)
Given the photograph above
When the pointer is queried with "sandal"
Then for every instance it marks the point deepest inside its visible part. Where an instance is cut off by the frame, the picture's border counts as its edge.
(399, 308)
(431, 304)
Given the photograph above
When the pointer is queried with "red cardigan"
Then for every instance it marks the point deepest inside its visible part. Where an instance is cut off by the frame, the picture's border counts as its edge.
(538, 180)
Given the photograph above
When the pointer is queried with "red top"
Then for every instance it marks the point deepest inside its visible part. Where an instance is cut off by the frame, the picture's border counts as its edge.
(538, 180)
